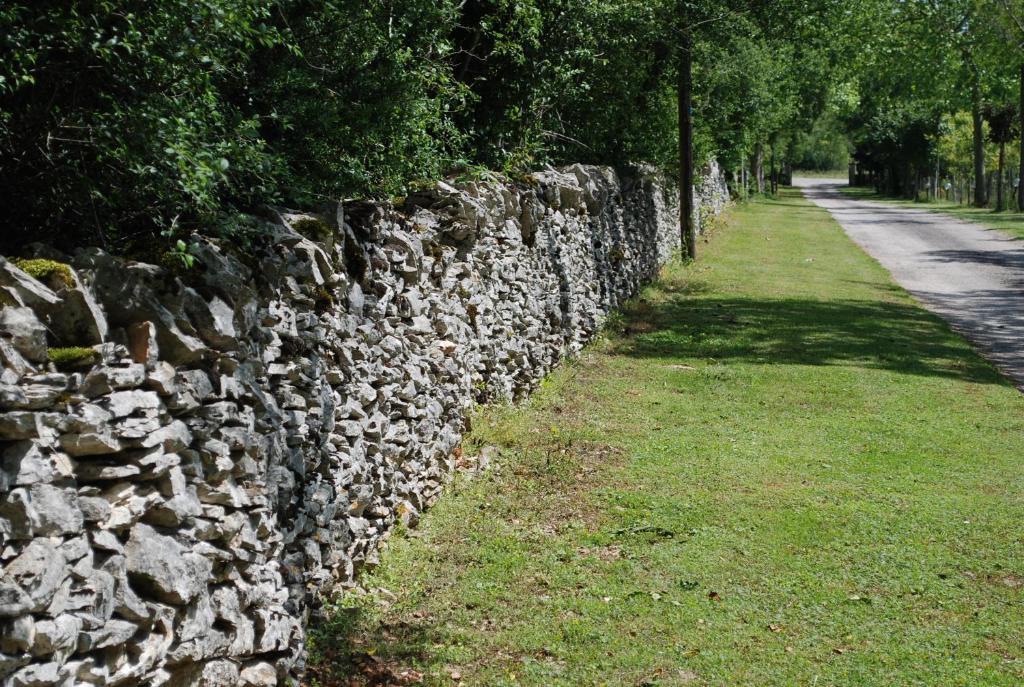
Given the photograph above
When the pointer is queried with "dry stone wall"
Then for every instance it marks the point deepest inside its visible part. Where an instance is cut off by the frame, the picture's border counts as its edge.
(243, 433)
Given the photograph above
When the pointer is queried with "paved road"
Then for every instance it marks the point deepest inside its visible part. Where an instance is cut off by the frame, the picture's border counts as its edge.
(971, 276)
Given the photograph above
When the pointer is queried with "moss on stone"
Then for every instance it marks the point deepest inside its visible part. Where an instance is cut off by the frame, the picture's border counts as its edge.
(323, 300)
(57, 273)
(313, 229)
(72, 357)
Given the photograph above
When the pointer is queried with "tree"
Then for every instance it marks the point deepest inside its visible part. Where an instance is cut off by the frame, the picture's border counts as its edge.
(1001, 130)
(1010, 17)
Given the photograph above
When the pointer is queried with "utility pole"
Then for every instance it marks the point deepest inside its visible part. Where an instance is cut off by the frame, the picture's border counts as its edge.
(687, 229)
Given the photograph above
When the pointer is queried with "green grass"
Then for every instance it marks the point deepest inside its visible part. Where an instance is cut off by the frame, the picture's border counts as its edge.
(1008, 221)
(782, 471)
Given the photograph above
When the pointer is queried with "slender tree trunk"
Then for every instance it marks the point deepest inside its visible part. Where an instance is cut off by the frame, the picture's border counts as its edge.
(774, 173)
(687, 228)
(1020, 182)
(1000, 201)
(757, 167)
(980, 187)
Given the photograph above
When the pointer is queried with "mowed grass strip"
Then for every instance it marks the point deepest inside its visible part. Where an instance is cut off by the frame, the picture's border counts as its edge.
(780, 471)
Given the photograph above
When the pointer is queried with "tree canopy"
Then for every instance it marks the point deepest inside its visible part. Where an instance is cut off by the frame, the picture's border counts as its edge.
(123, 121)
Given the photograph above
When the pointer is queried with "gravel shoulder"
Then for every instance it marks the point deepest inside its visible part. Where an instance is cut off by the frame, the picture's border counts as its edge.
(971, 276)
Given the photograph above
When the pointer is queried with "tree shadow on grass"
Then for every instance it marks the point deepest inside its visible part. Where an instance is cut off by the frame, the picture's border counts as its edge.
(873, 334)
(352, 650)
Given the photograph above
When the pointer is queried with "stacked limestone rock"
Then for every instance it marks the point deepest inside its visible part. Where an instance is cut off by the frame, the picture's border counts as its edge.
(242, 433)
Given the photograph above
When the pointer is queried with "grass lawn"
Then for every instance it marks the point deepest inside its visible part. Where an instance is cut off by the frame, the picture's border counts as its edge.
(1010, 222)
(779, 470)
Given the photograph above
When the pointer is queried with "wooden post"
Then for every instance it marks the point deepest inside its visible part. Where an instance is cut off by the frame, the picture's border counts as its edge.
(687, 228)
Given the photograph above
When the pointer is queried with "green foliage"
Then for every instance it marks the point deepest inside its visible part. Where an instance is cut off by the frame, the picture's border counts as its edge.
(361, 96)
(72, 357)
(116, 117)
(179, 258)
(121, 123)
(50, 271)
(825, 147)
(921, 74)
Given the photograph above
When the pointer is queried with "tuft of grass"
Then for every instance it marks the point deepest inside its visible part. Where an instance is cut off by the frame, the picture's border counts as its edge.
(72, 357)
(782, 472)
(1008, 221)
(57, 274)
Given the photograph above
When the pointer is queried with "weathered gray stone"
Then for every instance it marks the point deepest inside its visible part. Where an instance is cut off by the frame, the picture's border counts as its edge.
(57, 635)
(14, 601)
(125, 403)
(127, 603)
(19, 425)
(38, 675)
(17, 634)
(36, 392)
(164, 567)
(56, 508)
(113, 632)
(104, 379)
(161, 378)
(25, 332)
(90, 443)
(258, 674)
(94, 508)
(24, 463)
(39, 570)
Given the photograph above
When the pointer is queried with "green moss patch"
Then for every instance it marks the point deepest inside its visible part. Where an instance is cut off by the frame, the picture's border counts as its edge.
(72, 357)
(313, 229)
(50, 271)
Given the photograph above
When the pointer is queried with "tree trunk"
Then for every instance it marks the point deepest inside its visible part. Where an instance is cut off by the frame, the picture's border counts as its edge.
(980, 195)
(1020, 182)
(757, 167)
(687, 228)
(1000, 201)
(774, 173)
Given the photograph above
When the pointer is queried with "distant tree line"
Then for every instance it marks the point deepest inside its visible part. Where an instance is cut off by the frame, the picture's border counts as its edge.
(125, 121)
(940, 95)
